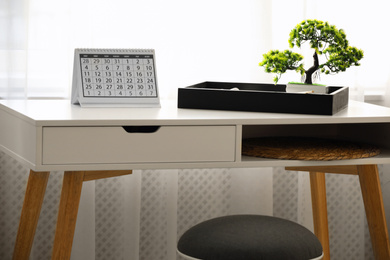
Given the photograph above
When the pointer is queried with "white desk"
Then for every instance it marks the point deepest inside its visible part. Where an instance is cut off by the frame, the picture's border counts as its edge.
(92, 143)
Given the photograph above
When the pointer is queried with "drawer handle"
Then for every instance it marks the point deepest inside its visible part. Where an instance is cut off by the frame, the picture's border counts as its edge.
(142, 129)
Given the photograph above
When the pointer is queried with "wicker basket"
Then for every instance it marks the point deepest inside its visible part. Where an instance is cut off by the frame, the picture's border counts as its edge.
(302, 148)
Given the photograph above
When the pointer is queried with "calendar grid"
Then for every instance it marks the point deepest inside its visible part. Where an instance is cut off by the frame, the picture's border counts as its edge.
(118, 75)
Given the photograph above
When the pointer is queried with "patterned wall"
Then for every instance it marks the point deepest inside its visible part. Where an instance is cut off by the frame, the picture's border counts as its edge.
(13, 180)
(163, 217)
(109, 236)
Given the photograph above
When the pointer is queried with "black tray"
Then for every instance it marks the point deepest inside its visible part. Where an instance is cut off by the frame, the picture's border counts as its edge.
(261, 98)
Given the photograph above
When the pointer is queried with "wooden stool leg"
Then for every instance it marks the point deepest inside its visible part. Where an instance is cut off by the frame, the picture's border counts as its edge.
(67, 214)
(33, 199)
(373, 203)
(320, 211)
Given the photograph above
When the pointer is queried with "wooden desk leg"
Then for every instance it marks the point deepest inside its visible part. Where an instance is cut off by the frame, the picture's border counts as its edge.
(33, 199)
(69, 206)
(320, 211)
(67, 214)
(375, 213)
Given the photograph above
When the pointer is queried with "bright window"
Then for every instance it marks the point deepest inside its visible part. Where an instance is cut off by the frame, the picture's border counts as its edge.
(194, 40)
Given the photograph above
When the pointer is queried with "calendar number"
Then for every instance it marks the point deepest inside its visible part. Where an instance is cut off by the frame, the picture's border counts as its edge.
(118, 75)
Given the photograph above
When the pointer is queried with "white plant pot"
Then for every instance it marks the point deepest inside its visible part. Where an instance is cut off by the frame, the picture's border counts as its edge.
(306, 88)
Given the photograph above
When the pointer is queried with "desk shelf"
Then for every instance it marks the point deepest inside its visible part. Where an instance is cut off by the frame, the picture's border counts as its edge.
(252, 162)
(368, 133)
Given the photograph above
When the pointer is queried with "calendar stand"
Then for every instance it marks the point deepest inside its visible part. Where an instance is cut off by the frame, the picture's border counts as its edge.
(115, 77)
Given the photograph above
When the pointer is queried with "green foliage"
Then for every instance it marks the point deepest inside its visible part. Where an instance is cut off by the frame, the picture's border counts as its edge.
(319, 34)
(279, 62)
(340, 60)
(325, 39)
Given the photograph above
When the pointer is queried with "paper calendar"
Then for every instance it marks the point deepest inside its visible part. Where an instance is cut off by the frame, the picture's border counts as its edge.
(115, 77)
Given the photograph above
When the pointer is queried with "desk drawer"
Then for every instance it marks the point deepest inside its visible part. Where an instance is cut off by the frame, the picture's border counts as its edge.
(104, 145)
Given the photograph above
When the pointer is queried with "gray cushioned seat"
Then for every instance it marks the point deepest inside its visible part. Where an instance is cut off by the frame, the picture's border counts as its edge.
(247, 237)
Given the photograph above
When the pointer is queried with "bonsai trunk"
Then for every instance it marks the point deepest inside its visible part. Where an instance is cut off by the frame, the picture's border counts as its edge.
(312, 69)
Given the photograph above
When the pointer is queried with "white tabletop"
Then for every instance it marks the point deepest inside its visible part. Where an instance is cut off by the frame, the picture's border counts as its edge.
(61, 112)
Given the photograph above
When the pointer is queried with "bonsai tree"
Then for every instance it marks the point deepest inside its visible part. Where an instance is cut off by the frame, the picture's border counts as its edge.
(326, 40)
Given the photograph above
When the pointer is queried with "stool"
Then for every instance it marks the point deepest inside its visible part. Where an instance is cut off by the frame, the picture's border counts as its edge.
(249, 237)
